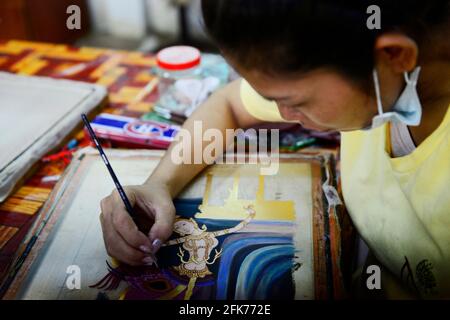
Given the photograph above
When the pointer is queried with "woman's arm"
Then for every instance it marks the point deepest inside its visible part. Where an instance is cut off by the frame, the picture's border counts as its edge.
(223, 110)
(123, 240)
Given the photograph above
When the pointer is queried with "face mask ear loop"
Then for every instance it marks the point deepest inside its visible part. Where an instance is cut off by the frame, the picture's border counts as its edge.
(407, 80)
(377, 91)
(412, 78)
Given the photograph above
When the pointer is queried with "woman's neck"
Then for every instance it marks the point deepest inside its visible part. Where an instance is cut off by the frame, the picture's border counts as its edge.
(434, 93)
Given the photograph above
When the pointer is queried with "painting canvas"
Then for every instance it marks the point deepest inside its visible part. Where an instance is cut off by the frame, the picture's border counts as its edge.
(238, 235)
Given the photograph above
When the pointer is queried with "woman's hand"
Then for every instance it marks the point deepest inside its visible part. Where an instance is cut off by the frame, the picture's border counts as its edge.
(136, 241)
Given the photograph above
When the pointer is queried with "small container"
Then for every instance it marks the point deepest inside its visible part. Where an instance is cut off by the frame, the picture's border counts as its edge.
(175, 63)
(187, 78)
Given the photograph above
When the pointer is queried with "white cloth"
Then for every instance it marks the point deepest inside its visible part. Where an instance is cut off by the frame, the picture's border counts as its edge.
(402, 143)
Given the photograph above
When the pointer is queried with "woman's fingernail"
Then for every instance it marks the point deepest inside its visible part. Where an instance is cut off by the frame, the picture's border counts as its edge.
(156, 244)
(145, 249)
(148, 261)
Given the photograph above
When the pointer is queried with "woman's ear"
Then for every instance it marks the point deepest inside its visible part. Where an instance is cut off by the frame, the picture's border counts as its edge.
(397, 51)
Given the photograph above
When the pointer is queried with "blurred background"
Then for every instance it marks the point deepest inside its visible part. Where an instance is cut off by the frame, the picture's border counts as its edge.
(139, 25)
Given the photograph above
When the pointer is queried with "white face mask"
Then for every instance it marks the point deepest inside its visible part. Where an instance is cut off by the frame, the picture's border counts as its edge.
(407, 109)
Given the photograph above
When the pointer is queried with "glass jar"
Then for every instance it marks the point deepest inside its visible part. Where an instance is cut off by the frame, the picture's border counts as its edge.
(187, 78)
(177, 62)
(178, 68)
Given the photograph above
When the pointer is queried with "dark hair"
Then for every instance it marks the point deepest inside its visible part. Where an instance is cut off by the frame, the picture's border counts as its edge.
(290, 36)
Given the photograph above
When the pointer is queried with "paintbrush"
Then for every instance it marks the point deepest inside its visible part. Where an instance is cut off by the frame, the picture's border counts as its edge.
(119, 187)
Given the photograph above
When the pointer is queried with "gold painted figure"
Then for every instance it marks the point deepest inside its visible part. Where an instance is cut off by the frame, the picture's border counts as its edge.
(199, 244)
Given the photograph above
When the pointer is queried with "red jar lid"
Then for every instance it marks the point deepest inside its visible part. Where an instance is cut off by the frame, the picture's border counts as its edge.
(178, 58)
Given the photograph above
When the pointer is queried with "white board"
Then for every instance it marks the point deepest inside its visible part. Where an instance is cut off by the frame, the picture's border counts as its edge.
(36, 114)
